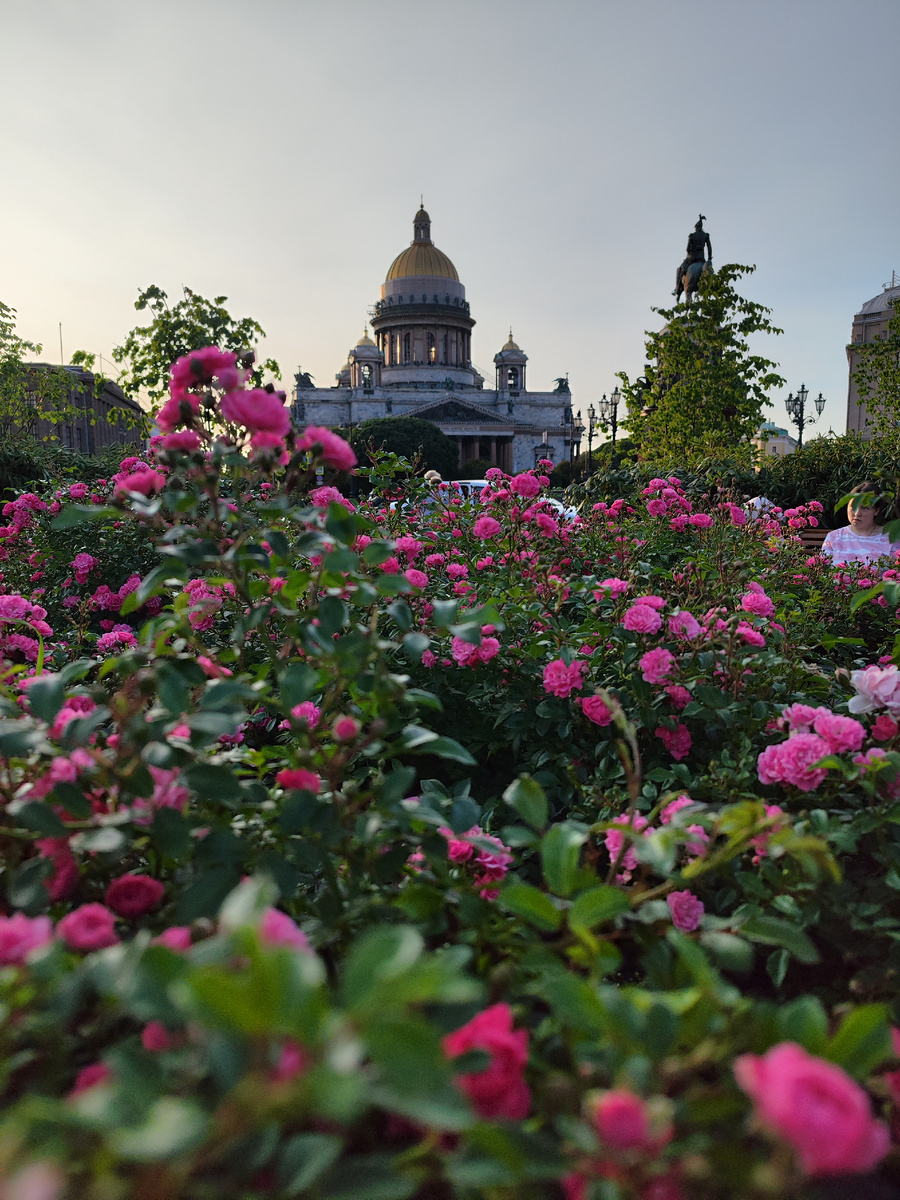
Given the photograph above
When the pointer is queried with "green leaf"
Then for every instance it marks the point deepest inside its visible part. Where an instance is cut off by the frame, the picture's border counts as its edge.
(804, 1021)
(213, 782)
(38, 817)
(332, 614)
(401, 614)
(532, 905)
(528, 799)
(172, 1127)
(296, 683)
(82, 514)
(597, 906)
(863, 1041)
(377, 957)
(772, 931)
(305, 1157)
(560, 851)
(45, 697)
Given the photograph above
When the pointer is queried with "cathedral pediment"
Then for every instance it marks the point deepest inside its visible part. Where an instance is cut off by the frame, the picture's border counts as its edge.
(450, 410)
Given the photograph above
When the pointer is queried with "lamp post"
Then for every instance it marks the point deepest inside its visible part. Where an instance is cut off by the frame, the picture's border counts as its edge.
(577, 432)
(593, 423)
(609, 415)
(796, 409)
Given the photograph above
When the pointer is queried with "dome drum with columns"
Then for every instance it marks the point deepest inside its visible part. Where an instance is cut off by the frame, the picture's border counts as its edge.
(420, 365)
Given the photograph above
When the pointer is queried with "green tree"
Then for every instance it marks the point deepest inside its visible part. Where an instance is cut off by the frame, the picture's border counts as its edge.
(411, 437)
(703, 391)
(194, 322)
(30, 393)
(877, 375)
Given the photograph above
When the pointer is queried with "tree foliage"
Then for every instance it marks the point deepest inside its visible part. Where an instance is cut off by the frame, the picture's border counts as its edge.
(29, 393)
(703, 391)
(410, 437)
(194, 322)
(877, 375)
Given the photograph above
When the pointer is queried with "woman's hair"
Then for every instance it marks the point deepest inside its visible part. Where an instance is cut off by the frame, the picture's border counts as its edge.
(880, 506)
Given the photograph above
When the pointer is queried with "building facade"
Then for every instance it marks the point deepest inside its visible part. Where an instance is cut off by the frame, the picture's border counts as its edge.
(871, 320)
(772, 439)
(420, 365)
(97, 417)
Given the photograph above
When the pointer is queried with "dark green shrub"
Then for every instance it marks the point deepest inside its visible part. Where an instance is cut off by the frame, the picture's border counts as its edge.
(410, 437)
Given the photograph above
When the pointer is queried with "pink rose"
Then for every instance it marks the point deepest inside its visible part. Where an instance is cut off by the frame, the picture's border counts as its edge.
(308, 712)
(200, 367)
(21, 935)
(561, 680)
(684, 625)
(486, 527)
(677, 741)
(500, 1091)
(345, 729)
(257, 410)
(526, 485)
(90, 927)
(842, 734)
(656, 665)
(332, 449)
(749, 635)
(156, 1038)
(145, 483)
(277, 929)
(614, 586)
(624, 1122)
(700, 520)
(90, 1077)
(292, 1062)
(176, 938)
(687, 911)
(134, 895)
(884, 728)
(597, 710)
(417, 578)
(184, 440)
(794, 762)
(299, 780)
(757, 603)
(816, 1108)
(673, 807)
(641, 618)
(657, 508)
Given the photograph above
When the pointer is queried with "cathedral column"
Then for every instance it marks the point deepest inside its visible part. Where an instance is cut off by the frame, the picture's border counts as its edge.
(493, 451)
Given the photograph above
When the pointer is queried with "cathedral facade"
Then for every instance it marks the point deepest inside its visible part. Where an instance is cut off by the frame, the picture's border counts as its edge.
(420, 365)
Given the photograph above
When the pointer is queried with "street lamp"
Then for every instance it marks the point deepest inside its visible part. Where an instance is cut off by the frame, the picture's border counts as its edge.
(796, 406)
(577, 432)
(609, 415)
(593, 424)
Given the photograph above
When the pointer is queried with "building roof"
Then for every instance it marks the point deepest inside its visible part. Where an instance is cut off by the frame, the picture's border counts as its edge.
(422, 257)
(881, 302)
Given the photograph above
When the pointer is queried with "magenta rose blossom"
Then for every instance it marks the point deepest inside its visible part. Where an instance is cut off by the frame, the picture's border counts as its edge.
(757, 603)
(561, 680)
(657, 665)
(257, 410)
(816, 1108)
(677, 741)
(841, 733)
(90, 927)
(525, 485)
(299, 780)
(277, 929)
(687, 911)
(20, 935)
(146, 483)
(332, 449)
(500, 1091)
(597, 710)
(641, 618)
(134, 895)
(486, 527)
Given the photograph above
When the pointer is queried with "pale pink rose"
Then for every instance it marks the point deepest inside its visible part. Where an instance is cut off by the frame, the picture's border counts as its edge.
(597, 710)
(614, 839)
(657, 665)
(876, 687)
(656, 602)
(687, 911)
(561, 680)
(37, 1181)
(800, 717)
(816, 1108)
(641, 618)
(749, 635)
(184, 440)
(417, 578)
(614, 586)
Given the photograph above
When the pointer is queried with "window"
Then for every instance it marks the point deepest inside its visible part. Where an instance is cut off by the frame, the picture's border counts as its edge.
(512, 378)
(444, 357)
(432, 353)
(406, 353)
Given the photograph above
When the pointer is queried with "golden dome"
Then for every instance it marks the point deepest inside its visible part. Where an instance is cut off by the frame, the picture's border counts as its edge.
(422, 258)
(511, 345)
(365, 340)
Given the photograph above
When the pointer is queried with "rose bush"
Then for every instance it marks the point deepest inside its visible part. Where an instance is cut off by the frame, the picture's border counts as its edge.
(435, 848)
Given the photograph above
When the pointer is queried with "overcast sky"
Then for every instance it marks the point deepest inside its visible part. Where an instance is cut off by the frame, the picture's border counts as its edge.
(275, 152)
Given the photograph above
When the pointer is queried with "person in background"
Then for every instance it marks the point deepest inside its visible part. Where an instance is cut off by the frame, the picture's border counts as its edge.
(863, 540)
(433, 477)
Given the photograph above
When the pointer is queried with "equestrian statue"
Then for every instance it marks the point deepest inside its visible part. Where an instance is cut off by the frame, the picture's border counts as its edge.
(697, 264)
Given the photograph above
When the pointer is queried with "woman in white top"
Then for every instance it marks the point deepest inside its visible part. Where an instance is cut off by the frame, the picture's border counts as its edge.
(863, 540)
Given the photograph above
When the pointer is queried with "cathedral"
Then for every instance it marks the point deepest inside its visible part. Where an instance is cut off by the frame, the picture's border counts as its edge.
(420, 365)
